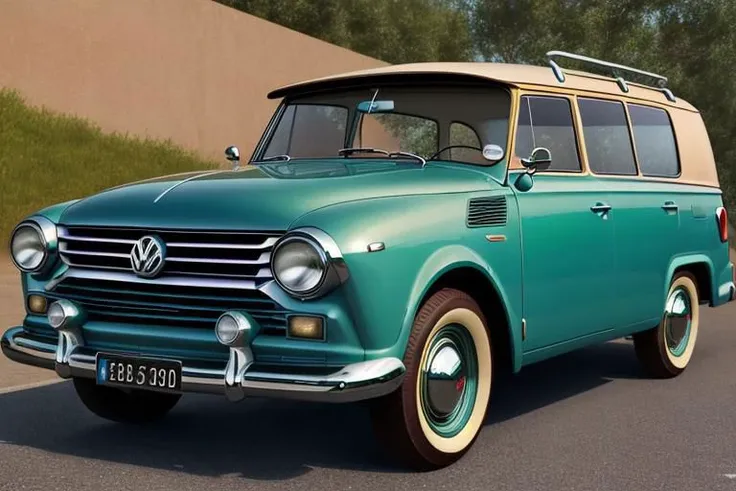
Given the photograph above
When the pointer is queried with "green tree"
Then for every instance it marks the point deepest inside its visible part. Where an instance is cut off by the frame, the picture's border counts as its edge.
(396, 31)
(690, 41)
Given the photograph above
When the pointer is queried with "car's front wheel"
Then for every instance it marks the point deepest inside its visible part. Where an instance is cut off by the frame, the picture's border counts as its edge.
(437, 414)
(124, 405)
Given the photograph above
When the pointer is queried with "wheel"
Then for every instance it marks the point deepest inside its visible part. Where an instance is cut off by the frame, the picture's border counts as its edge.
(437, 413)
(666, 350)
(124, 406)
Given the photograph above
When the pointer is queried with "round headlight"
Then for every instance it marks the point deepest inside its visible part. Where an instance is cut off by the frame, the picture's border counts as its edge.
(299, 266)
(28, 248)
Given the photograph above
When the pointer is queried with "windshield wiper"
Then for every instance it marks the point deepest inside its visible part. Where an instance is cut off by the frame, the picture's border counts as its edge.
(410, 155)
(349, 151)
(284, 158)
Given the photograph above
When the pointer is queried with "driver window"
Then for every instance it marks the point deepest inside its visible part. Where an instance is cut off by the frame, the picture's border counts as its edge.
(462, 134)
(547, 122)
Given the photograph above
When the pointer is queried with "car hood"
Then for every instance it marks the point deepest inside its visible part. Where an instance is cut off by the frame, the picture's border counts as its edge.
(264, 197)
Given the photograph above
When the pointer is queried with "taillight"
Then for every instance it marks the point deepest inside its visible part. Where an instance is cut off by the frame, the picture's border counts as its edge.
(722, 218)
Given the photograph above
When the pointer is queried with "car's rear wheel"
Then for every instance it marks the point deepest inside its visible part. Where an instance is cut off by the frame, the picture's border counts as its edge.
(124, 405)
(437, 414)
(666, 350)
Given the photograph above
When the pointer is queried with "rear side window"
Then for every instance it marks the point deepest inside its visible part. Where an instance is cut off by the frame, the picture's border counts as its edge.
(607, 137)
(655, 141)
(547, 122)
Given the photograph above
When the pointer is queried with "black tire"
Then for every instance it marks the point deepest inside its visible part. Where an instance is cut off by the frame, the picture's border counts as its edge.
(654, 347)
(124, 406)
(405, 421)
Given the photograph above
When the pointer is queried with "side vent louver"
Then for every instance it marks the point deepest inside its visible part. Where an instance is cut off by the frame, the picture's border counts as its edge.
(487, 212)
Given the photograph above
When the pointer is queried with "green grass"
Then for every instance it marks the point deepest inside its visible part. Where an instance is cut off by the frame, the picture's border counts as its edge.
(47, 158)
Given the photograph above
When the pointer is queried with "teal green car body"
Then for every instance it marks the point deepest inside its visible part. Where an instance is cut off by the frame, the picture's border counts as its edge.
(419, 213)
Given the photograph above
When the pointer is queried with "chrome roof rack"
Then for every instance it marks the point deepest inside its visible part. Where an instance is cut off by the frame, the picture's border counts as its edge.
(616, 71)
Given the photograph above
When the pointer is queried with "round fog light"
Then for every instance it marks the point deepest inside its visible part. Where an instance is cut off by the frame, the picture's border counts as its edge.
(56, 315)
(231, 327)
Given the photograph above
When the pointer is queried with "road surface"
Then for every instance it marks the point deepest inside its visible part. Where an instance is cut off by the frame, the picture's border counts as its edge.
(587, 420)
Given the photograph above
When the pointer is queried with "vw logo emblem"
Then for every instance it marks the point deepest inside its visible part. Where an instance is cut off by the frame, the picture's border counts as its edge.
(148, 256)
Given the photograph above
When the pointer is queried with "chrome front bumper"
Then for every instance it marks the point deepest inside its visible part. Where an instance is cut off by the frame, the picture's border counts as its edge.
(355, 382)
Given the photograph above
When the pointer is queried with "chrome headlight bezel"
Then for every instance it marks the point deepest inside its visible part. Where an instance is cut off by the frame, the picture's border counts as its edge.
(334, 270)
(46, 230)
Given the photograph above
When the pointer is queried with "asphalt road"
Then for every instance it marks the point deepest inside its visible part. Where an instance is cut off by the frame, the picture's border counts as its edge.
(587, 420)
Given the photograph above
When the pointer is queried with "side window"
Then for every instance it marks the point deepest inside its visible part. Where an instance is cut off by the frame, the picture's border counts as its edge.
(655, 141)
(462, 134)
(607, 138)
(306, 130)
(547, 122)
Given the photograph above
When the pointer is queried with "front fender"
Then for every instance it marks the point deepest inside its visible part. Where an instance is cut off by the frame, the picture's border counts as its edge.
(453, 257)
(424, 236)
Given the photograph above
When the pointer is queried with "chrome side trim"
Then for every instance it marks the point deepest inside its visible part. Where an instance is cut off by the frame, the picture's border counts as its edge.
(189, 179)
(202, 282)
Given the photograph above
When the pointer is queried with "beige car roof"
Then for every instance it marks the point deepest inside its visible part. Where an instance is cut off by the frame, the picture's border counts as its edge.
(521, 76)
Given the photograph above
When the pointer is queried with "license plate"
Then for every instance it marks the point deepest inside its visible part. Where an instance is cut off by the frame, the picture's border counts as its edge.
(139, 373)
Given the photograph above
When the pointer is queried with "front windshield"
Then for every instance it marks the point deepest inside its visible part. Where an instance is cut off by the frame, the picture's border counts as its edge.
(442, 122)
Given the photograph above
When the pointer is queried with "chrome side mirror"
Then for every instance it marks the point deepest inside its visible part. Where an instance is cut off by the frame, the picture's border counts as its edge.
(540, 159)
(232, 153)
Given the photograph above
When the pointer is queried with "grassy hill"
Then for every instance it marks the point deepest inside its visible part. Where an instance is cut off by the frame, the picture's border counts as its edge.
(46, 158)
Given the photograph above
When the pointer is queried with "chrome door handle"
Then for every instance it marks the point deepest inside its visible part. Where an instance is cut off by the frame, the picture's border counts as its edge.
(600, 208)
(670, 206)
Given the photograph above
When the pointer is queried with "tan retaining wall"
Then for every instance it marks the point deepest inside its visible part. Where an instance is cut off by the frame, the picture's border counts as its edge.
(193, 71)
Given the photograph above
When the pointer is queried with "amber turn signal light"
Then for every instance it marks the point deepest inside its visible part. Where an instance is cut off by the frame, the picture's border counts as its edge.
(37, 304)
(305, 327)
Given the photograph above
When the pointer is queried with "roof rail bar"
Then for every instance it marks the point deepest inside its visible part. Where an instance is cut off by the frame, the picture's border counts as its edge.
(617, 71)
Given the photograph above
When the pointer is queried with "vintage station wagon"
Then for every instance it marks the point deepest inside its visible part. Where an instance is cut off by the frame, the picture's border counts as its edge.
(399, 235)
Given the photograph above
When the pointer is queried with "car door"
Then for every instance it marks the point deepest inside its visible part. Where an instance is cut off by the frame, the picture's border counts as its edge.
(567, 235)
(645, 212)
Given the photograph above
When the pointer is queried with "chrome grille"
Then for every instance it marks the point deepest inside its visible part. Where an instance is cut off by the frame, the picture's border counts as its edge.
(198, 253)
(123, 298)
(205, 274)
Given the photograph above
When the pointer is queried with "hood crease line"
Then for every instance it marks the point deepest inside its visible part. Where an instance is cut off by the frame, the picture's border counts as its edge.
(174, 186)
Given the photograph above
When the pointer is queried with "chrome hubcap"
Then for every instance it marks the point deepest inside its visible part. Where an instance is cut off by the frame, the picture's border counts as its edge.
(677, 321)
(448, 381)
(445, 379)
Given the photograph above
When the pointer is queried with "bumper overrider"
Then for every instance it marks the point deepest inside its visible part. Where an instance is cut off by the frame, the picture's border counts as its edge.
(239, 378)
